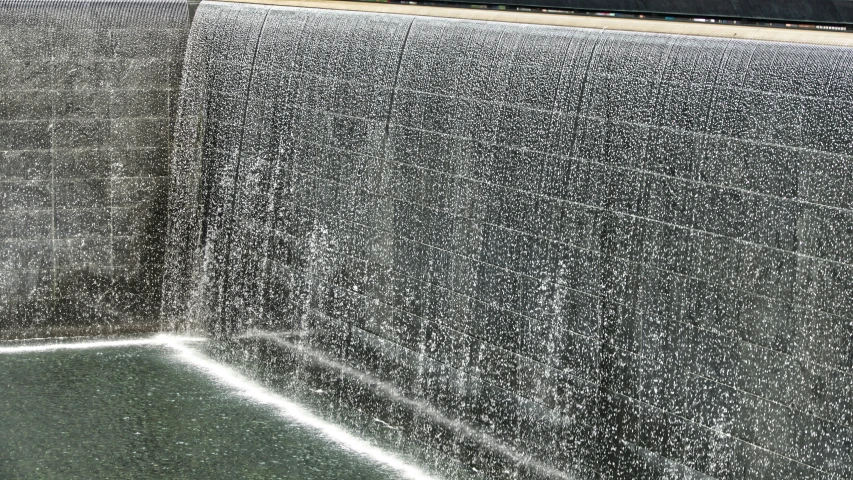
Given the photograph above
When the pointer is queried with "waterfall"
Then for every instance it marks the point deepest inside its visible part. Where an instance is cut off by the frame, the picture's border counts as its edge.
(600, 253)
(87, 95)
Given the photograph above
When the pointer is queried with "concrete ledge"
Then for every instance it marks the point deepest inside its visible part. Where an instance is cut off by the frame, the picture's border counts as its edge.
(840, 39)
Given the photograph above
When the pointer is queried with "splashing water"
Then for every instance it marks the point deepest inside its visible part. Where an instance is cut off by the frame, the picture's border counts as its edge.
(617, 254)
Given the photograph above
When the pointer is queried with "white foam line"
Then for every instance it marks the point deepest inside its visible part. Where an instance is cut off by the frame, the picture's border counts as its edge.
(158, 340)
(421, 406)
(250, 390)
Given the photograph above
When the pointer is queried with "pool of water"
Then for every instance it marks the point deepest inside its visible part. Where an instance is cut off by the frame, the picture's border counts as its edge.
(154, 410)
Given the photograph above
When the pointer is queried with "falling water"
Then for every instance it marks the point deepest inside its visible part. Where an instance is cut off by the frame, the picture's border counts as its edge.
(587, 253)
(87, 92)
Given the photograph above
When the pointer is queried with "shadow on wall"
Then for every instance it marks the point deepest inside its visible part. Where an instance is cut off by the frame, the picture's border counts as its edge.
(802, 11)
(618, 255)
(87, 95)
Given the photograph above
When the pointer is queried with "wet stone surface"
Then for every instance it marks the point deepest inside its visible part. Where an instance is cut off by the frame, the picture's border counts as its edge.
(87, 90)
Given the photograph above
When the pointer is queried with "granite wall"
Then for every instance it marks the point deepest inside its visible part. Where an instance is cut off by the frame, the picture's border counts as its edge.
(532, 252)
(87, 91)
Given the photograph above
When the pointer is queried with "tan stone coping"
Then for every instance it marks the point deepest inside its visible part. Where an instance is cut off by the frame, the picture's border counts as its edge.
(842, 39)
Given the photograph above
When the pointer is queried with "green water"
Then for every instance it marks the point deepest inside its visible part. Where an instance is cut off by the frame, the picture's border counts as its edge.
(134, 412)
